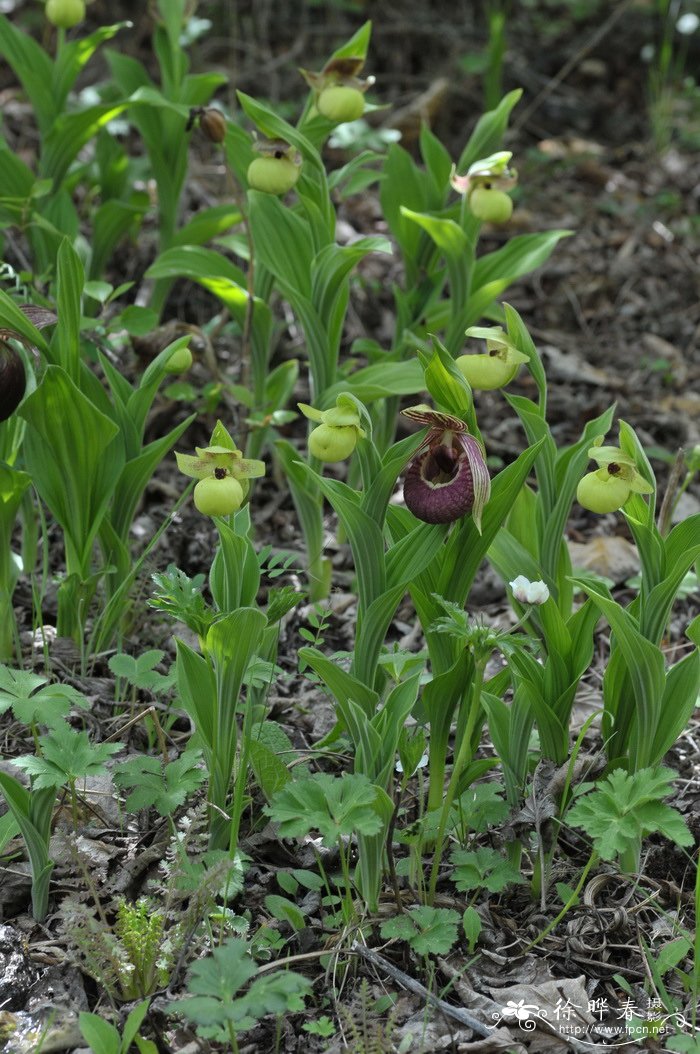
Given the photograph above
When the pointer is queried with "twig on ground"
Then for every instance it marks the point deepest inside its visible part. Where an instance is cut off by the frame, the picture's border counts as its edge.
(455, 1012)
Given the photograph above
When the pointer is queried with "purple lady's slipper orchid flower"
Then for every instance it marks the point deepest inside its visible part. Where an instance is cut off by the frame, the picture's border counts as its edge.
(447, 477)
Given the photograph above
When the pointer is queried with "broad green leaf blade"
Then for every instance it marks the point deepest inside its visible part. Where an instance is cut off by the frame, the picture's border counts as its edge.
(69, 290)
(69, 134)
(74, 455)
(32, 67)
(488, 133)
(101, 1036)
(495, 271)
(677, 704)
(645, 667)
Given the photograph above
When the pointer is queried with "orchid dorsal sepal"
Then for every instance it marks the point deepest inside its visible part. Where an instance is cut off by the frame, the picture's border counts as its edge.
(491, 171)
(311, 412)
(338, 71)
(277, 149)
(338, 428)
(614, 462)
(491, 166)
(497, 366)
(423, 414)
(498, 341)
(222, 437)
(220, 458)
(348, 412)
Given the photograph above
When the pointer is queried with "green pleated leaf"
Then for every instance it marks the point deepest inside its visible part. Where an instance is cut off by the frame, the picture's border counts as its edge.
(365, 537)
(379, 381)
(69, 134)
(447, 235)
(73, 56)
(282, 241)
(488, 133)
(208, 224)
(69, 290)
(136, 475)
(33, 68)
(645, 667)
(74, 456)
(681, 696)
(342, 685)
(495, 271)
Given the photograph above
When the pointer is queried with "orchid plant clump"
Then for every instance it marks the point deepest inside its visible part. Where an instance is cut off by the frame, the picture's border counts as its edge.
(420, 513)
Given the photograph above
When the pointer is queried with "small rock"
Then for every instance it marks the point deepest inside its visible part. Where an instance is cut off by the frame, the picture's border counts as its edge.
(54, 1030)
(612, 557)
(60, 985)
(17, 974)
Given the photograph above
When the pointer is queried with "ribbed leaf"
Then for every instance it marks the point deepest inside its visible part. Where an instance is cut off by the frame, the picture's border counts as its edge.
(69, 134)
(645, 667)
(32, 67)
(342, 685)
(488, 133)
(74, 455)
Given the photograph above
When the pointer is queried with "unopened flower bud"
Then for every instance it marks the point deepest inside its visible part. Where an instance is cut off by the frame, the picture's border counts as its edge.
(65, 13)
(180, 361)
(527, 592)
(213, 124)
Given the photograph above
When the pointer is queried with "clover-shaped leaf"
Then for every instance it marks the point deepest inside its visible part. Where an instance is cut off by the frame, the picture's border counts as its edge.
(625, 807)
(427, 930)
(333, 806)
(483, 868)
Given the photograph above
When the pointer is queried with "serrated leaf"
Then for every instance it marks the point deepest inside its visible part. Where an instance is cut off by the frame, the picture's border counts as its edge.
(427, 930)
(334, 806)
(165, 787)
(483, 868)
(625, 807)
(67, 756)
(483, 806)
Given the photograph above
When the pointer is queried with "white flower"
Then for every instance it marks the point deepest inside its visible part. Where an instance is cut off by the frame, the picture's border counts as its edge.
(688, 23)
(529, 592)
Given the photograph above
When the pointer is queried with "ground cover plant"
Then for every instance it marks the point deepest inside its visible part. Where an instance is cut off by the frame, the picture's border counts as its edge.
(315, 690)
